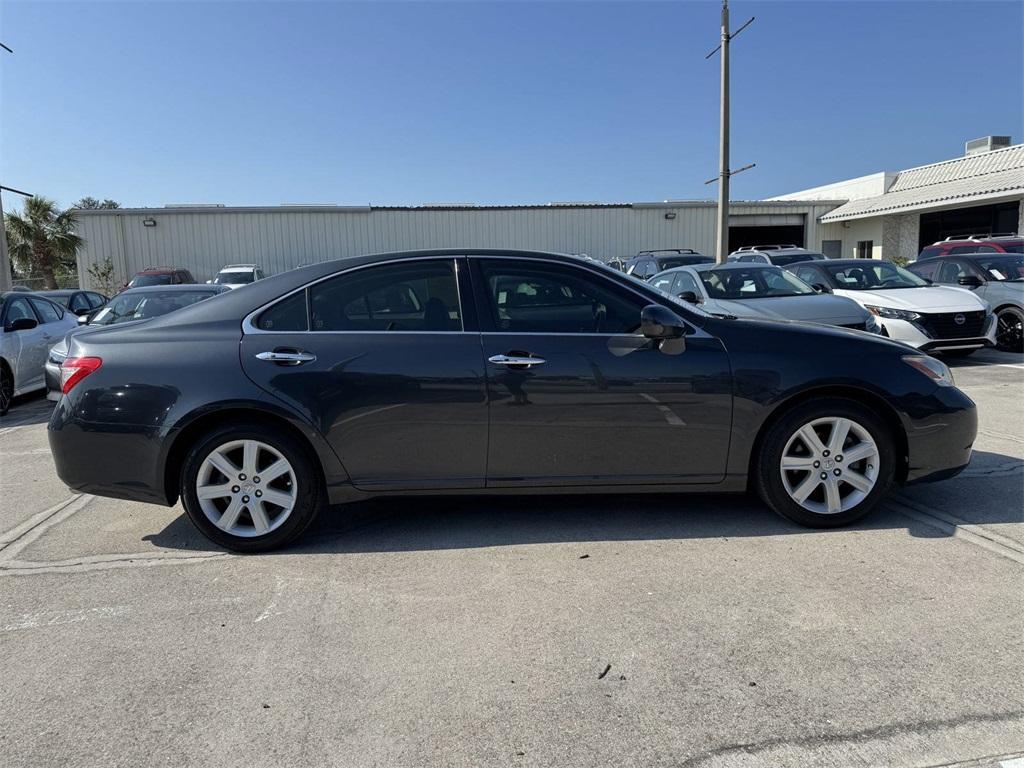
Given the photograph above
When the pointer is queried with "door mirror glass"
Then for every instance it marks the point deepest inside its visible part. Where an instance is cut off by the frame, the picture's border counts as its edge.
(83, 319)
(970, 281)
(690, 297)
(658, 322)
(21, 324)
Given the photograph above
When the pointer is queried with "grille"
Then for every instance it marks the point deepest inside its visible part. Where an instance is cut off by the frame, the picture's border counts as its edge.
(944, 325)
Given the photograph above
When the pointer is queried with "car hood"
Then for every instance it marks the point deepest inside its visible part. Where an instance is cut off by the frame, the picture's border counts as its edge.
(932, 298)
(833, 310)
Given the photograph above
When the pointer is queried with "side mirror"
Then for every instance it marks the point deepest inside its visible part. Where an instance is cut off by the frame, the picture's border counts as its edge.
(658, 322)
(21, 324)
(84, 319)
(209, 282)
(689, 297)
(821, 288)
(971, 281)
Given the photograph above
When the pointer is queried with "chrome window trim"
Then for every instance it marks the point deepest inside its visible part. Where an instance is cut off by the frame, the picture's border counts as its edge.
(249, 327)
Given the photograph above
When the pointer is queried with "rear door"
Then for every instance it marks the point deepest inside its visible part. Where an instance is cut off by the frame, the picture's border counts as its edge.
(578, 396)
(385, 361)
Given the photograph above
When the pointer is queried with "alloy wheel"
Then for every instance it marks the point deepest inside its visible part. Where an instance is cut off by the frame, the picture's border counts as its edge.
(246, 488)
(1010, 330)
(829, 465)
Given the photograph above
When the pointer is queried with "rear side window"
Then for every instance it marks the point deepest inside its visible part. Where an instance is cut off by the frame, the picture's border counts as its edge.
(925, 269)
(96, 300)
(809, 275)
(48, 311)
(411, 296)
(287, 315)
(79, 303)
(928, 253)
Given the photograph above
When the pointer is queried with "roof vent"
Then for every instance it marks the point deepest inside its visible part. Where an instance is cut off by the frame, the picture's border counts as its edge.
(986, 144)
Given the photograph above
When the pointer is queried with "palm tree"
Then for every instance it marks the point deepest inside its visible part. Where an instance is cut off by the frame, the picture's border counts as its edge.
(42, 237)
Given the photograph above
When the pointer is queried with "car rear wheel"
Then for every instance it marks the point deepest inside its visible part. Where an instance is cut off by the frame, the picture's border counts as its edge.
(1010, 329)
(250, 488)
(826, 463)
(6, 389)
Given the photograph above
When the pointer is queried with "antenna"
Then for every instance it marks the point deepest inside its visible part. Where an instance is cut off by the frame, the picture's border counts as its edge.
(724, 174)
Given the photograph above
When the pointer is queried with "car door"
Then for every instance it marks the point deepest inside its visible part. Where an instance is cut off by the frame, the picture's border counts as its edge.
(577, 396)
(386, 362)
(32, 344)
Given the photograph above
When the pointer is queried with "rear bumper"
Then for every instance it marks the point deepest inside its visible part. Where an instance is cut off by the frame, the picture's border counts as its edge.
(939, 444)
(52, 376)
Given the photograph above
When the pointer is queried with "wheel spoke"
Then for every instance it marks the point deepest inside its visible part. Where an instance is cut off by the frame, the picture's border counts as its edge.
(840, 429)
(260, 521)
(811, 439)
(275, 470)
(250, 449)
(858, 452)
(230, 517)
(803, 490)
(832, 498)
(280, 498)
(214, 491)
(224, 465)
(798, 462)
(857, 480)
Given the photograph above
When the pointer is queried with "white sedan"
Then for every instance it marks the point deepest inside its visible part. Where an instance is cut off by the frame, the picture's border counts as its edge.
(29, 324)
(932, 318)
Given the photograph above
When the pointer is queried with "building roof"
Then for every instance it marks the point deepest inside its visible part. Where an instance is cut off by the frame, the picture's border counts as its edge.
(973, 178)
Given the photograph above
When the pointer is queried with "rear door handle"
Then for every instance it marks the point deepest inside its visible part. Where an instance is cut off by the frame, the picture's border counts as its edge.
(297, 357)
(515, 360)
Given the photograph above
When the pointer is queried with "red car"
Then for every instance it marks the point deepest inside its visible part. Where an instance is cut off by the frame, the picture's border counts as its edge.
(1009, 242)
(160, 276)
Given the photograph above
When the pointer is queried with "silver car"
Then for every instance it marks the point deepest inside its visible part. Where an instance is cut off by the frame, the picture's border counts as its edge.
(997, 278)
(763, 292)
(29, 324)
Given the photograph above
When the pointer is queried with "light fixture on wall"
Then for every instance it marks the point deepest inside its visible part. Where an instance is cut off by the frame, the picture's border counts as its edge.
(670, 215)
(147, 222)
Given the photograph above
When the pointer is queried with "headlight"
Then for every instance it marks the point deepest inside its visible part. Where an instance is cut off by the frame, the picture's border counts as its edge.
(936, 370)
(893, 314)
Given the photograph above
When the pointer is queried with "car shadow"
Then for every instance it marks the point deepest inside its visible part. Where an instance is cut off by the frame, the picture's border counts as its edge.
(27, 410)
(404, 524)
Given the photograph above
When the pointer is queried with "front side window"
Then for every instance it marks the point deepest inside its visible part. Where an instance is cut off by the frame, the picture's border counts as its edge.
(685, 282)
(18, 309)
(528, 298)
(405, 296)
(79, 303)
(663, 282)
(48, 311)
(925, 269)
(951, 271)
(96, 300)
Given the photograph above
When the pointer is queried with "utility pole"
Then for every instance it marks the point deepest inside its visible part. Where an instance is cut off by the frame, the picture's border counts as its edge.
(6, 279)
(724, 174)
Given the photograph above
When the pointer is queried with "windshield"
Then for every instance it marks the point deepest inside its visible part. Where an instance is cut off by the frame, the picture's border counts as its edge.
(759, 283)
(880, 276)
(142, 305)
(63, 300)
(668, 262)
(783, 259)
(141, 281)
(234, 278)
(1002, 268)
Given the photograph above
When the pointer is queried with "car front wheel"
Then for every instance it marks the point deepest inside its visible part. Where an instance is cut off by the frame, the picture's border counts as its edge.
(250, 488)
(826, 463)
(1010, 329)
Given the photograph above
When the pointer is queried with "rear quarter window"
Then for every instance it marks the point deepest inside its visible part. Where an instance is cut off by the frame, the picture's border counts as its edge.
(287, 315)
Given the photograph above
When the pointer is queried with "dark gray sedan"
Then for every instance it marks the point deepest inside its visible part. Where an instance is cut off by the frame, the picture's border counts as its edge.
(763, 292)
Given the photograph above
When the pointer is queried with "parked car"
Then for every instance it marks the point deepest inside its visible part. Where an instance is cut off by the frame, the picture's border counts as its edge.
(28, 326)
(779, 255)
(129, 306)
(237, 275)
(1006, 242)
(160, 276)
(997, 278)
(81, 303)
(647, 264)
(933, 318)
(761, 291)
(489, 373)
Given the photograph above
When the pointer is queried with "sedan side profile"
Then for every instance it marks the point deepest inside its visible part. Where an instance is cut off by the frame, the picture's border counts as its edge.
(761, 291)
(488, 371)
(29, 324)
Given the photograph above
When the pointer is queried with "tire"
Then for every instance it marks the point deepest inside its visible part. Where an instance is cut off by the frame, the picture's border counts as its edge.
(6, 388)
(867, 436)
(241, 510)
(1010, 329)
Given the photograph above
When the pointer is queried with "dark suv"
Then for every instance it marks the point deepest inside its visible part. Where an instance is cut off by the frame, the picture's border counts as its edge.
(160, 276)
(1008, 242)
(647, 264)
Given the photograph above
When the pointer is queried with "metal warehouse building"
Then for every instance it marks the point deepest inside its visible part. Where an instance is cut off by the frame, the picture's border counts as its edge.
(883, 215)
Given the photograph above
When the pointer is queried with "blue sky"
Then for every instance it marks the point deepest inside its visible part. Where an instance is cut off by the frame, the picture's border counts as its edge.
(488, 102)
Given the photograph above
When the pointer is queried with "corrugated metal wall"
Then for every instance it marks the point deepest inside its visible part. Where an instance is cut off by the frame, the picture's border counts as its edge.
(203, 240)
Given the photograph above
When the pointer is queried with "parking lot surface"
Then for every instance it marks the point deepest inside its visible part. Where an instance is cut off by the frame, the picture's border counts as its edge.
(675, 631)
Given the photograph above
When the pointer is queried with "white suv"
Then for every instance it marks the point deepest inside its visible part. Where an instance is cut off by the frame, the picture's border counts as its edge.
(779, 255)
(932, 318)
(237, 275)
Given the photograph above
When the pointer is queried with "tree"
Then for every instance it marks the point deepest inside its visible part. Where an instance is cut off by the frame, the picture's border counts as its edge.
(92, 204)
(102, 275)
(42, 238)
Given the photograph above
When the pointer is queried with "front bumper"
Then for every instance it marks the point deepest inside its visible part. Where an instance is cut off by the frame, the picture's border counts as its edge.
(914, 335)
(940, 441)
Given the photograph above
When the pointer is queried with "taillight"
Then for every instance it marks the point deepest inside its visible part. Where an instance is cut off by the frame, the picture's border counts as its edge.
(74, 369)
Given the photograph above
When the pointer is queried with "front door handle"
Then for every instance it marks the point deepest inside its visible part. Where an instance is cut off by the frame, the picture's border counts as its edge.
(297, 357)
(515, 360)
